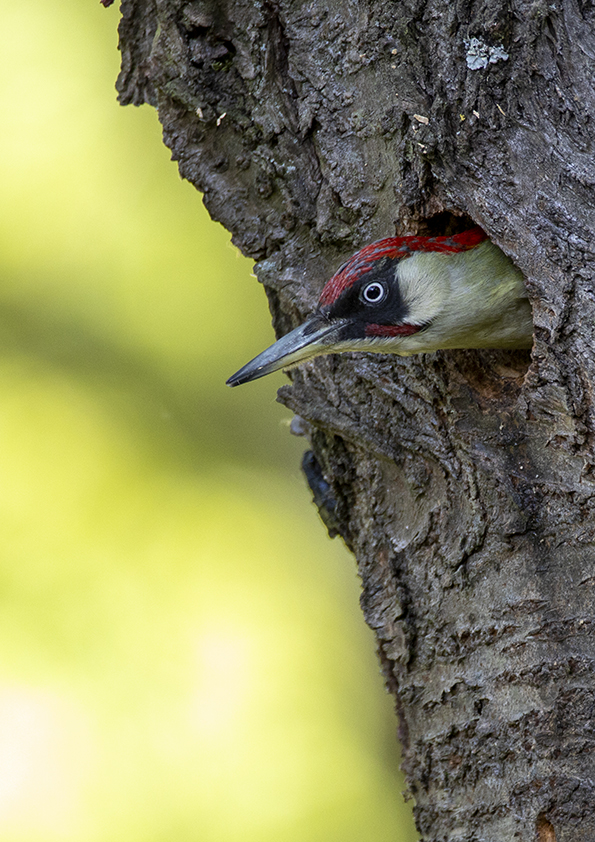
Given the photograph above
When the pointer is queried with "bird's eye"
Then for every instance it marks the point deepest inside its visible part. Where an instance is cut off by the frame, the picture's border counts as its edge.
(373, 293)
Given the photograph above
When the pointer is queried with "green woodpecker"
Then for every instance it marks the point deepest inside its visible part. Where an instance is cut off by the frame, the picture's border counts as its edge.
(410, 295)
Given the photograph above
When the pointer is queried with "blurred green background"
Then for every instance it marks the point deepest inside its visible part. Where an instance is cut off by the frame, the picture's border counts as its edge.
(182, 655)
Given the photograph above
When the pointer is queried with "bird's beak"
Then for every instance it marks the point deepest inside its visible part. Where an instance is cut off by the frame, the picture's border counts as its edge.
(316, 336)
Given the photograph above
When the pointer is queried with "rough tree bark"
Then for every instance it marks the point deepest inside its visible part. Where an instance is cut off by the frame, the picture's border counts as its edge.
(464, 482)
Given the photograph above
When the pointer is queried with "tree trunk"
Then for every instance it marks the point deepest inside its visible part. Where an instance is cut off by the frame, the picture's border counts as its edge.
(463, 481)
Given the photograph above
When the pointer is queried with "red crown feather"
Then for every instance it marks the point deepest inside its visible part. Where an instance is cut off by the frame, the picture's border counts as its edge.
(395, 247)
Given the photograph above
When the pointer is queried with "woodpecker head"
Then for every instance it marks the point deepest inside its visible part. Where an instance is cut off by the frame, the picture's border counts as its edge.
(407, 295)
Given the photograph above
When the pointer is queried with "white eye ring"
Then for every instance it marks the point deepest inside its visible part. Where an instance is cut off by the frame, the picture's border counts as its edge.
(373, 293)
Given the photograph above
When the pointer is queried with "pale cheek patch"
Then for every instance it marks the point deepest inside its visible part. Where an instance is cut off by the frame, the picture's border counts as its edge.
(423, 281)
